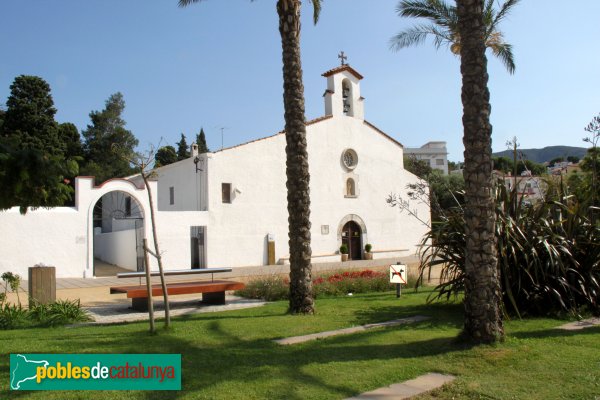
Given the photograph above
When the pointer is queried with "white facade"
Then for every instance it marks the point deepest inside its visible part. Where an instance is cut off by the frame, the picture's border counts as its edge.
(221, 209)
(435, 153)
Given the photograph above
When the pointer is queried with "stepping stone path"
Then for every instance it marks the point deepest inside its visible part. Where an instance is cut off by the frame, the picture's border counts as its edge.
(405, 390)
(577, 325)
(361, 328)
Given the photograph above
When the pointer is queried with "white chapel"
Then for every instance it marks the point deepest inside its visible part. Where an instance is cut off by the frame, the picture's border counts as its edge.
(228, 208)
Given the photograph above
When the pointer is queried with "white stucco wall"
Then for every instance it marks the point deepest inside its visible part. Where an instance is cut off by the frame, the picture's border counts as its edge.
(236, 233)
(117, 248)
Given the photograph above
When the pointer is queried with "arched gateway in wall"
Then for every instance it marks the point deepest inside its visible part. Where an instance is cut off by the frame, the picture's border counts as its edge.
(116, 227)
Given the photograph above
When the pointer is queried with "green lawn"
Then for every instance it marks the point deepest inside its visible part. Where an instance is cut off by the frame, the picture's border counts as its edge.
(231, 355)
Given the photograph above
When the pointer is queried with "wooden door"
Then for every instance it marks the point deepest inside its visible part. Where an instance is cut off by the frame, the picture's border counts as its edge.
(352, 237)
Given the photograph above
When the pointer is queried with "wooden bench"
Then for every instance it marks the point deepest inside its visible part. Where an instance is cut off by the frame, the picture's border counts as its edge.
(213, 291)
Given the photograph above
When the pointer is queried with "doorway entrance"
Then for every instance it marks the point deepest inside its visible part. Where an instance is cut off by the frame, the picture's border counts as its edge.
(118, 231)
(352, 238)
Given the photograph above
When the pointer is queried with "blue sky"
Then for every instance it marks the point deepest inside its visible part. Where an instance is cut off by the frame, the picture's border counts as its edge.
(218, 64)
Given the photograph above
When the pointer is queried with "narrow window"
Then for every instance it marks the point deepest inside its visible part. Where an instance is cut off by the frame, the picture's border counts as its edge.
(128, 206)
(226, 192)
(350, 187)
(171, 195)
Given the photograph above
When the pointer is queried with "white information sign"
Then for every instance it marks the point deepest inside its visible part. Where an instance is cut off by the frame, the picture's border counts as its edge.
(398, 273)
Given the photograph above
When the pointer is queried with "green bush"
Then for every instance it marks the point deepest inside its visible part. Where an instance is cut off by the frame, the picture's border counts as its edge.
(270, 288)
(61, 312)
(368, 247)
(344, 249)
(548, 256)
(340, 283)
(13, 316)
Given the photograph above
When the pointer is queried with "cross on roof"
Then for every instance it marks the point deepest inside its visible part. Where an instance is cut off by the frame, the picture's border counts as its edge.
(342, 57)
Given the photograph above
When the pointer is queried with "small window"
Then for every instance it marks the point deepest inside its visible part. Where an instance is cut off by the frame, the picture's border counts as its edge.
(439, 161)
(226, 192)
(350, 188)
(171, 195)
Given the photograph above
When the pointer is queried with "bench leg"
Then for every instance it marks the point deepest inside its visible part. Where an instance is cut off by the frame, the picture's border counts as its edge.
(140, 304)
(213, 298)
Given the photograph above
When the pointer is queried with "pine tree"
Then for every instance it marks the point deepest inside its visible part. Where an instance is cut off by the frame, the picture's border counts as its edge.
(29, 118)
(201, 142)
(107, 131)
(183, 151)
(33, 169)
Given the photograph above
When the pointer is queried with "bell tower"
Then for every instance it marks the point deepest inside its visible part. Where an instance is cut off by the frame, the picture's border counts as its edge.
(342, 96)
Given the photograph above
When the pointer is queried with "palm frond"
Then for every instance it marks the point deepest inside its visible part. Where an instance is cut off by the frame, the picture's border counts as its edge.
(504, 10)
(316, 10)
(416, 35)
(437, 11)
(185, 3)
(504, 52)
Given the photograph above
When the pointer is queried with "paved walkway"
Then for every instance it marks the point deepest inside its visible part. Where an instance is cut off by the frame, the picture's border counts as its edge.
(408, 389)
(95, 292)
(346, 331)
(577, 325)
(184, 305)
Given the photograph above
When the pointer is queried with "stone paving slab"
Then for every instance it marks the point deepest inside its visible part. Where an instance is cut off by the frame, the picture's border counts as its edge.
(346, 331)
(577, 325)
(408, 389)
(119, 313)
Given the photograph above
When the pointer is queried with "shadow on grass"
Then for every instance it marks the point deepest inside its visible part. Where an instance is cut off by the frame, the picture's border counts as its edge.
(556, 333)
(215, 360)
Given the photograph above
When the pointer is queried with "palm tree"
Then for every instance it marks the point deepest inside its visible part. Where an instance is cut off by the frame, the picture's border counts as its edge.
(444, 27)
(483, 318)
(298, 177)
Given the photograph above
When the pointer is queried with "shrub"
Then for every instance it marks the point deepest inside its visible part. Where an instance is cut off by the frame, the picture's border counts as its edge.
(368, 247)
(270, 288)
(344, 249)
(331, 284)
(64, 312)
(548, 256)
(13, 316)
(61, 312)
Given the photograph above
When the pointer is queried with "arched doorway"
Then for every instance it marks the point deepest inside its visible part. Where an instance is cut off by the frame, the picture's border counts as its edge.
(352, 237)
(118, 232)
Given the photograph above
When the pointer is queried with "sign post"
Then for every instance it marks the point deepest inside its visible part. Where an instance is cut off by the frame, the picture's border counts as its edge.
(398, 276)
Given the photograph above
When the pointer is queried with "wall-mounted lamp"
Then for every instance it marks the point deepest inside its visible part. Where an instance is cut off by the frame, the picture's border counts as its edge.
(198, 160)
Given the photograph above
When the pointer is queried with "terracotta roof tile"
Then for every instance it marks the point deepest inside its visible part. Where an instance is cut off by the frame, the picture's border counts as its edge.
(342, 68)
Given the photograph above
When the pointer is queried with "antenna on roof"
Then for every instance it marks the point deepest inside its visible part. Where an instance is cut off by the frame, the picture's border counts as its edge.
(222, 128)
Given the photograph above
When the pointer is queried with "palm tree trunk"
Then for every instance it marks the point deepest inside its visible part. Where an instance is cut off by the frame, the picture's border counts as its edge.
(483, 319)
(301, 300)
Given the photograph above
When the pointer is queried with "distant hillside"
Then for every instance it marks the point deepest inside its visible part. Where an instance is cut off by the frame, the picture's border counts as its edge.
(546, 154)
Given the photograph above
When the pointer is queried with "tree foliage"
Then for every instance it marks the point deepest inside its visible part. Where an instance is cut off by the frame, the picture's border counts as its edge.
(183, 150)
(443, 27)
(34, 170)
(107, 129)
(164, 156)
(201, 142)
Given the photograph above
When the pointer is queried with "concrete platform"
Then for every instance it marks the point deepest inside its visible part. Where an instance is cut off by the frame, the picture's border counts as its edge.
(407, 389)
(95, 292)
(577, 325)
(346, 331)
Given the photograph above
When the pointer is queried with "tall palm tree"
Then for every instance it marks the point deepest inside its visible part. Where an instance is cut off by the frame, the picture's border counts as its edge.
(298, 177)
(445, 31)
(483, 318)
